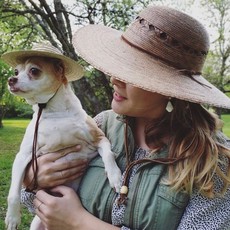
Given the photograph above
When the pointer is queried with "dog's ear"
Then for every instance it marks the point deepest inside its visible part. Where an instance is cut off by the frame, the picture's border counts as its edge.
(60, 70)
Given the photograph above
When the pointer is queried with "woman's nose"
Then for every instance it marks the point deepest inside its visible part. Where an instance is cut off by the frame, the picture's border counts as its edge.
(115, 81)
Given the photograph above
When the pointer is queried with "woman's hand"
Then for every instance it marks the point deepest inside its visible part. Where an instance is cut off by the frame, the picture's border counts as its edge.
(62, 212)
(66, 211)
(53, 171)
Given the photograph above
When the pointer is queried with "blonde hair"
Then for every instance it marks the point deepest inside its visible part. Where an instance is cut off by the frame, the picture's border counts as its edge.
(191, 132)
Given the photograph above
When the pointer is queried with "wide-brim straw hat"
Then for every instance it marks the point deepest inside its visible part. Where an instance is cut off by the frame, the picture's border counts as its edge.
(162, 51)
(73, 71)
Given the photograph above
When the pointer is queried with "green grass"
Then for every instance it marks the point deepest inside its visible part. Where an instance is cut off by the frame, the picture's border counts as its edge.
(226, 129)
(10, 138)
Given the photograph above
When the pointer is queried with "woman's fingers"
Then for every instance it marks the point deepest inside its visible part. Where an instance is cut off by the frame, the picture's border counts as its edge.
(57, 168)
(69, 172)
(68, 175)
(64, 164)
(46, 199)
(60, 174)
(57, 212)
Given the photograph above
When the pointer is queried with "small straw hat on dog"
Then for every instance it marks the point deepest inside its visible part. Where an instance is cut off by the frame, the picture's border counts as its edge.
(163, 50)
(73, 71)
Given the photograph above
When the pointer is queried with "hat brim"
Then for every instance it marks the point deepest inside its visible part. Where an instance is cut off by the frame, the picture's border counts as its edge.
(73, 70)
(104, 49)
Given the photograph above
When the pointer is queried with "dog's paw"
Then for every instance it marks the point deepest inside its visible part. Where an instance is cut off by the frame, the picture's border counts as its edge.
(112, 170)
(12, 221)
(114, 177)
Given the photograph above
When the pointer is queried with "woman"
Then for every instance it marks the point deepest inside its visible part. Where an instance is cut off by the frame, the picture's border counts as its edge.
(168, 146)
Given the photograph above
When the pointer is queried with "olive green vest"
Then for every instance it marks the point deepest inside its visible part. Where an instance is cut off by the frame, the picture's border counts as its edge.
(151, 205)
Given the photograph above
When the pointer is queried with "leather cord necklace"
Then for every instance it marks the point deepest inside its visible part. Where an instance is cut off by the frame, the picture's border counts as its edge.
(123, 199)
(34, 161)
(34, 156)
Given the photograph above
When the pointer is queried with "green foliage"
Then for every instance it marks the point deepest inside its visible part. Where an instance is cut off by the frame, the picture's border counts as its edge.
(217, 67)
(5, 72)
(116, 14)
(10, 105)
(18, 31)
(18, 107)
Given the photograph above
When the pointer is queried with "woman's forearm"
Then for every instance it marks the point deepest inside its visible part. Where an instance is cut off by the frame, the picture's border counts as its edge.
(90, 222)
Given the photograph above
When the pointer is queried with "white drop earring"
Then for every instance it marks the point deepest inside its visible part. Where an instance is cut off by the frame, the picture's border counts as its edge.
(169, 106)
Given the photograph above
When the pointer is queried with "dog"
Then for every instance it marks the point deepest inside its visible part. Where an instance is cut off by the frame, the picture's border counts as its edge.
(63, 123)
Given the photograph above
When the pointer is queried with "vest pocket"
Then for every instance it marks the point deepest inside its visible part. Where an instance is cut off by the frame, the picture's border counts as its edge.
(171, 203)
(95, 192)
(155, 205)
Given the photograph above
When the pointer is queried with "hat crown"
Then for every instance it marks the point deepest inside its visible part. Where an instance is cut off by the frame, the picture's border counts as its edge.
(73, 71)
(171, 36)
(46, 47)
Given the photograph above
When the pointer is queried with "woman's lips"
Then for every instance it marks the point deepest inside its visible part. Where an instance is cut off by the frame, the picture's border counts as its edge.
(117, 97)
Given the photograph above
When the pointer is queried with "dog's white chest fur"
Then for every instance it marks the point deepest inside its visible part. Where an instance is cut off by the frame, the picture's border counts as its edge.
(63, 122)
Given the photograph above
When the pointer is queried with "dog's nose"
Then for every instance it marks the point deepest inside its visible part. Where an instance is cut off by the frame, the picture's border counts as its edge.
(12, 80)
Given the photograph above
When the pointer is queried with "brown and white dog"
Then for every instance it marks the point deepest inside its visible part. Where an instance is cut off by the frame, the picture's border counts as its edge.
(63, 123)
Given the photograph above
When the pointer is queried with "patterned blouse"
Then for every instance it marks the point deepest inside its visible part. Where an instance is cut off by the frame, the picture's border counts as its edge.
(201, 213)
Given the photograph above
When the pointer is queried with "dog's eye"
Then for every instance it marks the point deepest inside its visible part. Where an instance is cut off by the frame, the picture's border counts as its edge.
(16, 72)
(34, 71)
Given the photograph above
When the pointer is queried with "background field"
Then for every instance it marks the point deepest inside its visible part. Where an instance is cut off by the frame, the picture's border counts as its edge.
(226, 129)
(10, 139)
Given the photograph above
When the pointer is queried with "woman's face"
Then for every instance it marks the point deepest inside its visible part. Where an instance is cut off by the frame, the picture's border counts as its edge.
(136, 102)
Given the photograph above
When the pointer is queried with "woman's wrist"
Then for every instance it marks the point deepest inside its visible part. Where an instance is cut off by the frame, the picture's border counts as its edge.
(90, 222)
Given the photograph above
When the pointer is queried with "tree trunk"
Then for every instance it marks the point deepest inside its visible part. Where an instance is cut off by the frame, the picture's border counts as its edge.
(1, 116)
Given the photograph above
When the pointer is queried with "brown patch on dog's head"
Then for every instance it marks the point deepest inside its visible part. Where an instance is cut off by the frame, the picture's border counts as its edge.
(59, 69)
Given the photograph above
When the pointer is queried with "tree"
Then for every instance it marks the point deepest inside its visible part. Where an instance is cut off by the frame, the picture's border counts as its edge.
(16, 30)
(217, 68)
(53, 22)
